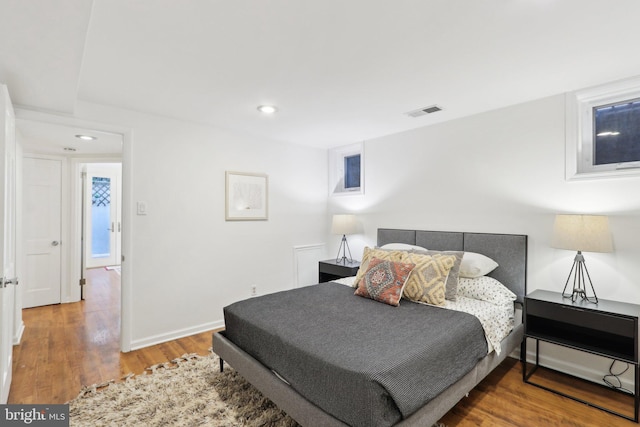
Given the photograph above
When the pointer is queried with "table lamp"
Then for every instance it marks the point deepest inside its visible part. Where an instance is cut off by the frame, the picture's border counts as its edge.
(589, 233)
(344, 224)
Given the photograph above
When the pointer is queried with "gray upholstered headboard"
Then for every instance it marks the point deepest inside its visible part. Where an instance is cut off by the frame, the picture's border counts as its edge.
(508, 250)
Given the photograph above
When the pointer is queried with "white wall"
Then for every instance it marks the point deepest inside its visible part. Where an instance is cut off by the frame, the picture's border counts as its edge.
(500, 171)
(186, 263)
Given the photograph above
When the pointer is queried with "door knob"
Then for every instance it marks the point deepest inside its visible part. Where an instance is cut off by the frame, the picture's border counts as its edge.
(55, 243)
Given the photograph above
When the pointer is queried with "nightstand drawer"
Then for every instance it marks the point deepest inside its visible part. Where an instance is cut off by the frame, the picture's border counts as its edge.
(331, 269)
(592, 319)
(338, 270)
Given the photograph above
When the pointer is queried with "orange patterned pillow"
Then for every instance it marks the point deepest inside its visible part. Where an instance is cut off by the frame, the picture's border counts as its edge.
(384, 281)
(369, 254)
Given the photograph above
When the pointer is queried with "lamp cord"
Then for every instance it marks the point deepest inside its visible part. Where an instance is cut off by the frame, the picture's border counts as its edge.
(616, 378)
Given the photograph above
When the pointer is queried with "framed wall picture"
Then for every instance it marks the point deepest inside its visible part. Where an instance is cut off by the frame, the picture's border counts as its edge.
(246, 197)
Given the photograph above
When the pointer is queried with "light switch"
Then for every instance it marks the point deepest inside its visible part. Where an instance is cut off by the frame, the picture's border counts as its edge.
(142, 208)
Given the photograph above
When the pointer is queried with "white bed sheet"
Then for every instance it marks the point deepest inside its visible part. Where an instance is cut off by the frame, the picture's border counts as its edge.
(497, 320)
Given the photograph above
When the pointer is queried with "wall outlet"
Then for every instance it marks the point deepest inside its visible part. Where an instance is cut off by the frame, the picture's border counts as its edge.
(254, 290)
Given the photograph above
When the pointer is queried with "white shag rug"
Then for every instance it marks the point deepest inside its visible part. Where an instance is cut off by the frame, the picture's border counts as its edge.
(188, 391)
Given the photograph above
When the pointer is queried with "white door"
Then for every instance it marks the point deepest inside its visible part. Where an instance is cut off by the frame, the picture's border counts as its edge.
(102, 215)
(7, 237)
(42, 185)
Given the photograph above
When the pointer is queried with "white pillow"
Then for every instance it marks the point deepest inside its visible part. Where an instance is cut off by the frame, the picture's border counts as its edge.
(487, 289)
(401, 247)
(476, 265)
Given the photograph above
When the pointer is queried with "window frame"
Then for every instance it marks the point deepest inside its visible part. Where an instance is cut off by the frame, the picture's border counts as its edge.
(337, 158)
(580, 129)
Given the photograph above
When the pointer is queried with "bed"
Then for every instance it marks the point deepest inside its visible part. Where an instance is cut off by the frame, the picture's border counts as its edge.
(302, 349)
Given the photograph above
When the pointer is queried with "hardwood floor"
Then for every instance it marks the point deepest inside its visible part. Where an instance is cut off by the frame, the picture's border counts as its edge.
(502, 399)
(67, 346)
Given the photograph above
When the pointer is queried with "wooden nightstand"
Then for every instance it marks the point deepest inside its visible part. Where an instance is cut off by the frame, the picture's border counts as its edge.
(608, 329)
(331, 270)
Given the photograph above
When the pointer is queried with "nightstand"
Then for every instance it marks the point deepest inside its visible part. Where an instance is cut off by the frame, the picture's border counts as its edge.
(608, 329)
(331, 269)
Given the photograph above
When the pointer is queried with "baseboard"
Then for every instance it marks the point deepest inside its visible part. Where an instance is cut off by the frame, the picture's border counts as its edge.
(18, 337)
(174, 335)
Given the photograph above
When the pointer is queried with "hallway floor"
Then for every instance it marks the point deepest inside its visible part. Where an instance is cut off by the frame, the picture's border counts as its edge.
(67, 346)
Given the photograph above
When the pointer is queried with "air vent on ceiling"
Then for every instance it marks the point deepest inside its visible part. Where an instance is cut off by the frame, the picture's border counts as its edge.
(422, 111)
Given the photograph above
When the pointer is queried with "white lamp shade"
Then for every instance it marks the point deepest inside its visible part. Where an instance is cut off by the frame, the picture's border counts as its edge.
(344, 224)
(588, 233)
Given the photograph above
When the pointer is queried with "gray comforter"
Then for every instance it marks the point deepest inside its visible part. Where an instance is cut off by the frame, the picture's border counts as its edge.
(364, 362)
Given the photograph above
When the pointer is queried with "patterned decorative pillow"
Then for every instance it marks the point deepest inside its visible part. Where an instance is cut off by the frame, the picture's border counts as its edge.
(451, 285)
(428, 279)
(369, 254)
(384, 280)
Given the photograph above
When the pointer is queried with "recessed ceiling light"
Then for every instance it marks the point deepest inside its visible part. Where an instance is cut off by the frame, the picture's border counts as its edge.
(267, 109)
(86, 137)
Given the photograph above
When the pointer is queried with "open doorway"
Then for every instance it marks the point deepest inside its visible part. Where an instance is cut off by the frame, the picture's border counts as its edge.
(101, 217)
(102, 214)
(65, 136)
(70, 148)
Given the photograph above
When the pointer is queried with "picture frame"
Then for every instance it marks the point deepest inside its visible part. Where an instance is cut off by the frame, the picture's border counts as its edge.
(246, 196)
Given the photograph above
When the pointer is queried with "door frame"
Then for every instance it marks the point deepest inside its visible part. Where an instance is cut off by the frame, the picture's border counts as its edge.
(18, 323)
(8, 239)
(127, 212)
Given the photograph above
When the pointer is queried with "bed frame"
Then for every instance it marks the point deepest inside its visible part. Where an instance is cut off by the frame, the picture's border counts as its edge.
(508, 250)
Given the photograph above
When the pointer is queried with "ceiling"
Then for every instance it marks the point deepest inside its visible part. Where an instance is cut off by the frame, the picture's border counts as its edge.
(50, 138)
(339, 71)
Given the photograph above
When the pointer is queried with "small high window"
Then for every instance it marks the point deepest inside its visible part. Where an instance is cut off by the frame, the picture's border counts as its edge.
(352, 171)
(603, 131)
(617, 133)
(346, 170)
